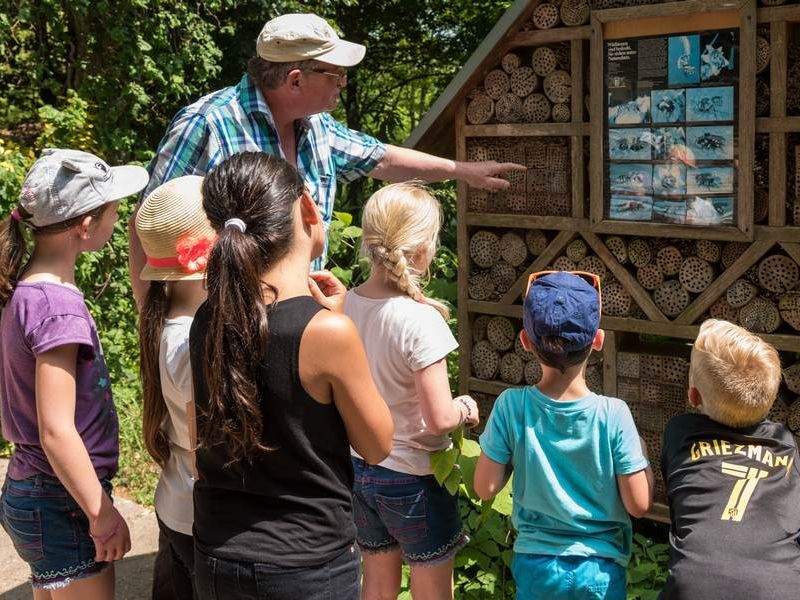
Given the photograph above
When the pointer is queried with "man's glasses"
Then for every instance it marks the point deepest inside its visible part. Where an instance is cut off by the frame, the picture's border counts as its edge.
(340, 75)
(593, 279)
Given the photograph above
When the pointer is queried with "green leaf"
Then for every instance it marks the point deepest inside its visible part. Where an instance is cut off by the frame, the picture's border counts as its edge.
(344, 275)
(442, 463)
(344, 217)
(453, 482)
(352, 232)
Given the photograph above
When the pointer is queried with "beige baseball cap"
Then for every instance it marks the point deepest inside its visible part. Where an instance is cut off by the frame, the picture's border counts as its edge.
(174, 230)
(295, 37)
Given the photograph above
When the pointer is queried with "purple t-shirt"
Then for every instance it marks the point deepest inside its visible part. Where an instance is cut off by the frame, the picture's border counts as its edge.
(39, 317)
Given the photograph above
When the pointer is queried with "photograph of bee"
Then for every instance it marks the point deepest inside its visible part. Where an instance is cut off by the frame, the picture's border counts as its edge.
(684, 60)
(709, 180)
(631, 208)
(711, 143)
(631, 178)
(629, 112)
(668, 142)
(669, 211)
(668, 106)
(669, 179)
(717, 61)
(709, 104)
(709, 211)
(629, 144)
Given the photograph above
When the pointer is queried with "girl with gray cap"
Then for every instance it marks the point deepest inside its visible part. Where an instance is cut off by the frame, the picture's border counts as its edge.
(55, 395)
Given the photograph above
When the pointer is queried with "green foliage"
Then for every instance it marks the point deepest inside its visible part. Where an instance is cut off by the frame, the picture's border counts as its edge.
(483, 567)
(647, 571)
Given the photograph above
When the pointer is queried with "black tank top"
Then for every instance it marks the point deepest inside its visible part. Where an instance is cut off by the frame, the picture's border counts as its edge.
(290, 506)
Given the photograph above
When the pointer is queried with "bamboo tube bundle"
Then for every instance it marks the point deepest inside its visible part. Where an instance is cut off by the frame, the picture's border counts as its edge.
(639, 252)
(671, 297)
(480, 109)
(562, 263)
(480, 285)
(533, 372)
(501, 333)
(508, 108)
(708, 250)
(536, 108)
(479, 327)
(485, 360)
(484, 248)
(628, 390)
(594, 378)
(477, 200)
(675, 370)
(616, 245)
(740, 293)
(760, 315)
(669, 260)
(510, 62)
(791, 375)
(789, 308)
(721, 309)
(796, 214)
(651, 366)
(558, 86)
(513, 248)
(523, 81)
(696, 274)
(503, 276)
(561, 113)
(496, 83)
(650, 276)
(511, 368)
(544, 61)
(778, 273)
(575, 12)
(616, 300)
(731, 253)
(793, 419)
(593, 264)
(545, 16)
(576, 250)
(536, 240)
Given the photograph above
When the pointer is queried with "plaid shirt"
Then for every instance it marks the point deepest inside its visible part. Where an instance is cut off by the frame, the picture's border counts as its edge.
(237, 119)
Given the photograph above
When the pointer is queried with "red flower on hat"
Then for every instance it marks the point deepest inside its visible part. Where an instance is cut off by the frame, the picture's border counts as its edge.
(192, 252)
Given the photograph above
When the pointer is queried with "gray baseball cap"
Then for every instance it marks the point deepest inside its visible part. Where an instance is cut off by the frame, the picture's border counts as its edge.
(63, 184)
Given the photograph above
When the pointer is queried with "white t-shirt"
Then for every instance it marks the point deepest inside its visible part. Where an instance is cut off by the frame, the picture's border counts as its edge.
(402, 336)
(174, 492)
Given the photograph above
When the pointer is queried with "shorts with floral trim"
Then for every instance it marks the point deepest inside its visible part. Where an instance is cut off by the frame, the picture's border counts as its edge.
(49, 530)
(411, 512)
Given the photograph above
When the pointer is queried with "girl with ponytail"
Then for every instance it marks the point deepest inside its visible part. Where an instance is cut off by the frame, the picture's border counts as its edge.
(282, 389)
(402, 513)
(177, 238)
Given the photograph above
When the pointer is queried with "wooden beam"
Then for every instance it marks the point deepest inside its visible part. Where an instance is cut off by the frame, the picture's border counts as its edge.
(462, 248)
(666, 230)
(488, 387)
(513, 311)
(527, 221)
(793, 250)
(777, 234)
(777, 124)
(540, 37)
(769, 14)
(576, 142)
(526, 129)
(610, 364)
(778, 41)
(637, 292)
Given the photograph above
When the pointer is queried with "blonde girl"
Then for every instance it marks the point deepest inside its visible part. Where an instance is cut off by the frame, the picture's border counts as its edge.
(177, 238)
(401, 512)
(55, 395)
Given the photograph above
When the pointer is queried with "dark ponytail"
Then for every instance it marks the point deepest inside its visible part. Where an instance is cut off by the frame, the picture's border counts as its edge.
(262, 191)
(151, 324)
(12, 254)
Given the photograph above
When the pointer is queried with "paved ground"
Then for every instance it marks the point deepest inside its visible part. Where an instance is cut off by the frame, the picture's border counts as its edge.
(134, 572)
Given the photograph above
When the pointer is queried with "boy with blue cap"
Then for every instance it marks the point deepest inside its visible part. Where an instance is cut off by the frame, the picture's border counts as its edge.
(580, 466)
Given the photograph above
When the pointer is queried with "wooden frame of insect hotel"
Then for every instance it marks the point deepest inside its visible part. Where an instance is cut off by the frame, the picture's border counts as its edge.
(667, 162)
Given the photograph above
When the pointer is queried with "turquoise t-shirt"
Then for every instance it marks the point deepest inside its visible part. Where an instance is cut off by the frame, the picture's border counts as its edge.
(566, 456)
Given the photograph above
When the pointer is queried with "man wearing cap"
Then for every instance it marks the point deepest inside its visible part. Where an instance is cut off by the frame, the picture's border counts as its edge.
(280, 106)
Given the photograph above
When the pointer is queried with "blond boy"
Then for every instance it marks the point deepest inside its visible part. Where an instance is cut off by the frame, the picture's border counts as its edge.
(732, 476)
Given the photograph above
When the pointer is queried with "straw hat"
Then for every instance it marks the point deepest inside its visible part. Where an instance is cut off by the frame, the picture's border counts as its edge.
(174, 230)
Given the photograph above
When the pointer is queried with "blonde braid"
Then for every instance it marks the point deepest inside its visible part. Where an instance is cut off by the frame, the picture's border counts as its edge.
(398, 271)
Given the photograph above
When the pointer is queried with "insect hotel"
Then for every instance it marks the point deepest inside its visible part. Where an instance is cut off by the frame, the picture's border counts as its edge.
(662, 146)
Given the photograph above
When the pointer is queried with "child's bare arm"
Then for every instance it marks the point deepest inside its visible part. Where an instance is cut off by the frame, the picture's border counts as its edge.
(441, 413)
(67, 454)
(636, 489)
(490, 477)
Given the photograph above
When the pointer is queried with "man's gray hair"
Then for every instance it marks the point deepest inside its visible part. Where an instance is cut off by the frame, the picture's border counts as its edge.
(271, 75)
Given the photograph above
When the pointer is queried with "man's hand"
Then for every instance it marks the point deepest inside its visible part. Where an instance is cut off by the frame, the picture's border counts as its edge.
(486, 175)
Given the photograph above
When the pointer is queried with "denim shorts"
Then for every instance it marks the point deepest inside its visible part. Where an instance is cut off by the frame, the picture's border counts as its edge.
(49, 530)
(567, 578)
(411, 512)
(223, 579)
